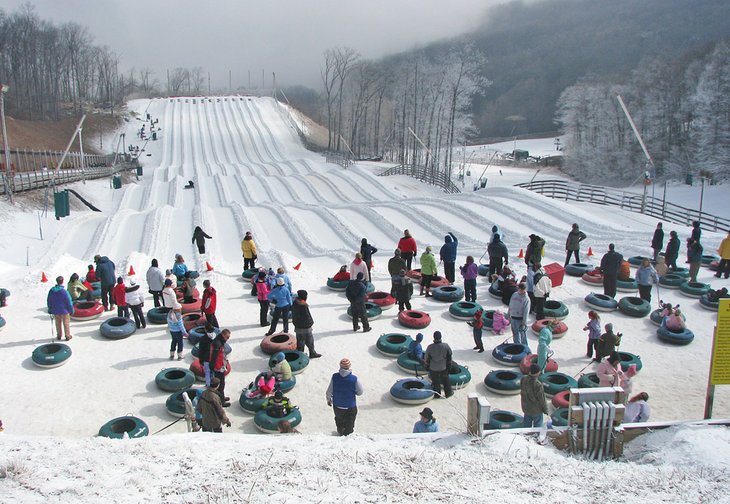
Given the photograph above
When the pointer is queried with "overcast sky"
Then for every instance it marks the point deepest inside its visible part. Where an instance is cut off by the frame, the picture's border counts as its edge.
(283, 36)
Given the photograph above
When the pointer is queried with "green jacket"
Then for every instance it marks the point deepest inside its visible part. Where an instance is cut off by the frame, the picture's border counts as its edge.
(532, 396)
(428, 264)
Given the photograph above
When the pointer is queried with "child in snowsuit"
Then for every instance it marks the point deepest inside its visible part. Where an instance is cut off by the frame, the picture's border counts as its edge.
(594, 333)
(279, 406)
(477, 324)
(499, 322)
(403, 291)
(119, 294)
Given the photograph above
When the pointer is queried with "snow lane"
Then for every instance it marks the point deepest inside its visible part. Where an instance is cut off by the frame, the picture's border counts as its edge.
(225, 247)
(273, 232)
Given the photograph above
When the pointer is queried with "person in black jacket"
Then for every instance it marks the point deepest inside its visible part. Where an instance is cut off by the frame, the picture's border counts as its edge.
(498, 255)
(657, 241)
(696, 231)
(610, 263)
(302, 320)
(403, 291)
(672, 252)
(367, 251)
(199, 237)
(356, 293)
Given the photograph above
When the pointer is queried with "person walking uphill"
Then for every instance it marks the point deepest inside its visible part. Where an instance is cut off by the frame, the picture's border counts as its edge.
(342, 392)
(367, 251)
(610, 263)
(532, 398)
(428, 270)
(303, 322)
(408, 249)
(447, 254)
(60, 307)
(657, 241)
(356, 293)
(199, 237)
(572, 244)
(155, 282)
(107, 277)
(281, 297)
(438, 363)
(248, 247)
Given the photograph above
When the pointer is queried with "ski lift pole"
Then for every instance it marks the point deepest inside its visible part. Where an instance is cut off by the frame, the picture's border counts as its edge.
(641, 142)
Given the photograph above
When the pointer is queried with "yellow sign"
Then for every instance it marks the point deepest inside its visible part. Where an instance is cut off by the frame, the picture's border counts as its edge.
(720, 374)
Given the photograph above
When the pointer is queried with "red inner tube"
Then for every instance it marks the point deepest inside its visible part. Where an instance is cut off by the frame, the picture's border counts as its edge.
(415, 319)
(87, 309)
(192, 320)
(550, 365)
(191, 307)
(381, 299)
(197, 368)
(279, 342)
(560, 400)
(559, 329)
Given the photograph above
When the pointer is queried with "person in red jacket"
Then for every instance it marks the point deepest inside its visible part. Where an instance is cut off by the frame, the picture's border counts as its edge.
(91, 274)
(342, 275)
(208, 303)
(407, 246)
(119, 295)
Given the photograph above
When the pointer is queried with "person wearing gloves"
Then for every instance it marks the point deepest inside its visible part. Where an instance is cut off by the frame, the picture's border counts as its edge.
(498, 255)
(155, 282)
(428, 270)
(427, 423)
(209, 303)
(135, 300)
(356, 294)
(646, 278)
(395, 265)
(177, 330)
(407, 246)
(447, 254)
(477, 324)
(532, 398)
(211, 409)
(608, 342)
(282, 298)
(199, 237)
(545, 338)
(60, 307)
(281, 367)
(106, 275)
(572, 244)
(403, 291)
(248, 247)
(204, 353)
(342, 392)
(469, 273)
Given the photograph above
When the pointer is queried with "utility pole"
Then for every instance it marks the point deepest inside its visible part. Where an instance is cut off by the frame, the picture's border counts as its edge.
(8, 184)
(650, 162)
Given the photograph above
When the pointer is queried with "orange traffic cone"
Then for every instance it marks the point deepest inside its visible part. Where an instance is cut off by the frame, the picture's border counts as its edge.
(44, 279)
(522, 255)
(131, 271)
(208, 266)
(298, 266)
(590, 252)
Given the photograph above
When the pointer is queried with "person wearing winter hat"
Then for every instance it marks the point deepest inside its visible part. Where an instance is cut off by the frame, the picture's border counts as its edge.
(438, 363)
(211, 409)
(342, 392)
(608, 342)
(358, 265)
(248, 247)
(262, 295)
(427, 423)
(177, 330)
(572, 244)
(119, 295)
(356, 293)
(204, 346)
(671, 254)
(209, 303)
(408, 248)
(301, 317)
(395, 265)
(155, 282)
(342, 275)
(135, 300)
(610, 264)
(281, 367)
(60, 307)
(280, 296)
(447, 255)
(415, 349)
(278, 406)
(532, 398)
(403, 291)
(367, 251)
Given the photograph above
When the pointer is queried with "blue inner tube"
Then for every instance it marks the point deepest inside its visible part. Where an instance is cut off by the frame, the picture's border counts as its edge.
(683, 272)
(370, 288)
(175, 404)
(409, 365)
(556, 381)
(196, 350)
(627, 359)
(488, 318)
(634, 306)
(694, 289)
(195, 334)
(601, 302)
(412, 391)
(393, 344)
(297, 360)
(269, 424)
(174, 379)
(588, 380)
(510, 354)
(501, 419)
(250, 405)
(483, 269)
(707, 304)
(51, 355)
(372, 310)
(503, 381)
(578, 269)
(495, 293)
(555, 309)
(637, 260)
(629, 285)
(656, 317)
(464, 310)
(287, 385)
(671, 281)
(158, 315)
(448, 293)
(337, 285)
(117, 328)
(560, 417)
(683, 337)
(460, 379)
(250, 273)
(132, 426)
(707, 259)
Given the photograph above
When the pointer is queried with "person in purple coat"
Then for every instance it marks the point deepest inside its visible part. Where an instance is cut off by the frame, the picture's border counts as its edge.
(469, 272)
(60, 307)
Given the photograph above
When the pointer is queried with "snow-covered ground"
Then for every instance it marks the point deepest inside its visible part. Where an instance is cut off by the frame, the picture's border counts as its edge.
(251, 173)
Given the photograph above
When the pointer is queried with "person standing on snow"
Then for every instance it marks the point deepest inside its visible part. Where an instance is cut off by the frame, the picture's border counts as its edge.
(438, 362)
(106, 275)
(724, 251)
(281, 297)
(532, 398)
(301, 317)
(155, 282)
(208, 303)
(408, 249)
(469, 272)
(199, 237)
(248, 247)
(533, 253)
(358, 266)
(448, 254)
(60, 307)
(211, 409)
(395, 264)
(572, 244)
(428, 270)
(545, 338)
(262, 295)
(657, 241)
(694, 258)
(135, 300)
(542, 285)
(498, 255)
(610, 263)
(646, 278)
(696, 231)
(519, 309)
(403, 291)
(367, 251)
(356, 294)
(342, 392)
(119, 293)
(672, 252)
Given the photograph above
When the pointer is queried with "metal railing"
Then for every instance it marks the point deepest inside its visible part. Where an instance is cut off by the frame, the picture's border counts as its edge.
(26, 160)
(633, 202)
(27, 181)
(428, 175)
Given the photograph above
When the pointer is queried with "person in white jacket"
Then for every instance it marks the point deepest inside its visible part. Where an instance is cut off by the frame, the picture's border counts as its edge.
(541, 291)
(358, 266)
(135, 301)
(169, 298)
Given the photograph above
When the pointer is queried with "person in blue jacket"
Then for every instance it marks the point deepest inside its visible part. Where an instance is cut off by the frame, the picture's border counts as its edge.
(415, 349)
(179, 268)
(342, 392)
(60, 307)
(427, 423)
(448, 256)
(108, 278)
(282, 298)
(367, 251)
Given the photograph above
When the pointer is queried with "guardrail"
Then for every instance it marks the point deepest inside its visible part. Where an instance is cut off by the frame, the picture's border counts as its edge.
(27, 181)
(428, 175)
(655, 207)
(24, 160)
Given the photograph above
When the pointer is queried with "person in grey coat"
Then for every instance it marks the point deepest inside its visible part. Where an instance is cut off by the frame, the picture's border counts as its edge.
(438, 363)
(572, 244)
(155, 282)
(519, 309)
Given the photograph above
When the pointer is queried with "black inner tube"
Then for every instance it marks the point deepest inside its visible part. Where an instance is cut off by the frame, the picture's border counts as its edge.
(279, 338)
(506, 375)
(503, 417)
(413, 385)
(175, 374)
(123, 425)
(396, 339)
(51, 348)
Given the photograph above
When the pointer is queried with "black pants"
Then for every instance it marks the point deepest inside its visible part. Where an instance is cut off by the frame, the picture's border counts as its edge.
(106, 296)
(440, 379)
(408, 258)
(495, 266)
(449, 271)
(609, 285)
(367, 265)
(531, 295)
(212, 320)
(592, 348)
(645, 292)
(539, 308)
(723, 268)
(221, 375)
(404, 303)
(359, 314)
(201, 247)
(264, 312)
(138, 314)
(123, 311)
(305, 338)
(345, 420)
(470, 289)
(249, 263)
(567, 256)
(282, 313)
(157, 298)
(215, 429)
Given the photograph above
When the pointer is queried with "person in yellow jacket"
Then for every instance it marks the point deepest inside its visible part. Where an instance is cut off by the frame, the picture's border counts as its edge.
(248, 247)
(724, 252)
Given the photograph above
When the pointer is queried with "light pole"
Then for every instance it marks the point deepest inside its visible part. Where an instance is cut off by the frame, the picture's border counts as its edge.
(4, 88)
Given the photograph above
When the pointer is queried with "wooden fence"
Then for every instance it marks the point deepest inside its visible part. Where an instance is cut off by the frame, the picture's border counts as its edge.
(655, 207)
(428, 175)
(27, 181)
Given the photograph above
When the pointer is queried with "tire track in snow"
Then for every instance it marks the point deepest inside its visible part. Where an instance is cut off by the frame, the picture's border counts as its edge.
(254, 136)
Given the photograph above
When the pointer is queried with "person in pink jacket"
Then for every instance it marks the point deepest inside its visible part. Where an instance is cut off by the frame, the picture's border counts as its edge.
(609, 371)
(499, 322)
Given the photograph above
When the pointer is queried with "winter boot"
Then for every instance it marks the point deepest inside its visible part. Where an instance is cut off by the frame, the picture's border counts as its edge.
(179, 356)
(172, 355)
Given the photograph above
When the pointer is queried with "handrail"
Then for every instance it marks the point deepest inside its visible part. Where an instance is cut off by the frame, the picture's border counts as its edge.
(654, 207)
(30, 180)
(433, 177)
